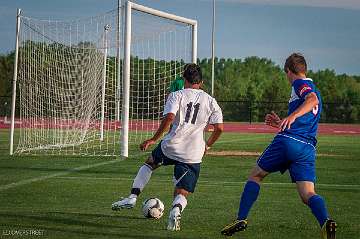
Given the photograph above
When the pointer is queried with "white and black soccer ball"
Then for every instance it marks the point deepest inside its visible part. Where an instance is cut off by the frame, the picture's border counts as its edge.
(153, 208)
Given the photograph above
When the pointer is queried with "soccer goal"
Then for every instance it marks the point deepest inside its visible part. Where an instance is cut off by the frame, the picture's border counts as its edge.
(95, 86)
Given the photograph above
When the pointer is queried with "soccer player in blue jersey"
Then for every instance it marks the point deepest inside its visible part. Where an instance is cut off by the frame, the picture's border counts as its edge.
(293, 149)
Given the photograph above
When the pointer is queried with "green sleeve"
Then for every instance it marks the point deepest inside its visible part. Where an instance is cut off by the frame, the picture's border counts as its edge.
(177, 84)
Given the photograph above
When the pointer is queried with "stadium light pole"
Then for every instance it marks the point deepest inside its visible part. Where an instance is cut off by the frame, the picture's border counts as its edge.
(213, 51)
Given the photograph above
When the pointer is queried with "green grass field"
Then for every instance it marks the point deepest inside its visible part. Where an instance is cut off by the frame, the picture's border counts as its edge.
(70, 197)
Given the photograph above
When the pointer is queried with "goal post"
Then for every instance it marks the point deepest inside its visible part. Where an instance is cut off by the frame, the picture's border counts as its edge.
(96, 86)
(103, 89)
(130, 6)
(13, 103)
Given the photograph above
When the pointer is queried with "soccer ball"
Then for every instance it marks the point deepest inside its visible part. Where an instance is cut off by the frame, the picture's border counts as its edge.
(153, 208)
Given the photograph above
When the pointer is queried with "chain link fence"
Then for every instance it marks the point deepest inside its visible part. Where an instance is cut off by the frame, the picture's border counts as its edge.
(255, 111)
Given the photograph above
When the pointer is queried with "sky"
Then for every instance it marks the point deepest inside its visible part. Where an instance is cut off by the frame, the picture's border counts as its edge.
(327, 32)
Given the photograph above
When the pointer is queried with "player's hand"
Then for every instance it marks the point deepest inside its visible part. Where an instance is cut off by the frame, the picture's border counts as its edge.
(272, 119)
(286, 122)
(207, 148)
(146, 144)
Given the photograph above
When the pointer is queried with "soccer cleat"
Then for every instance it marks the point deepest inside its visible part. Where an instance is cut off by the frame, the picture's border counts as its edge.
(328, 230)
(237, 225)
(124, 203)
(174, 219)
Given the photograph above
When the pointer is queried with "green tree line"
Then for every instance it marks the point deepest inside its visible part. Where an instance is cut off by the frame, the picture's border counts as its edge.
(249, 88)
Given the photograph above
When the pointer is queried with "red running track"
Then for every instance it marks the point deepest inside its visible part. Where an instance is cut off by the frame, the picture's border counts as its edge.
(324, 129)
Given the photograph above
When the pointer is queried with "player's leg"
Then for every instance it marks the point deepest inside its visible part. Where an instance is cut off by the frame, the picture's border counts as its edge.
(142, 178)
(248, 198)
(302, 171)
(271, 160)
(185, 179)
(178, 206)
(251, 191)
(317, 205)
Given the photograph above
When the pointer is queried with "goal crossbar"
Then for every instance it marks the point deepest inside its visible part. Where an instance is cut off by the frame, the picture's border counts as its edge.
(127, 54)
(93, 86)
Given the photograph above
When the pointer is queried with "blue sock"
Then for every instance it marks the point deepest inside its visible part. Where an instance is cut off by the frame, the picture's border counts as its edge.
(318, 208)
(248, 197)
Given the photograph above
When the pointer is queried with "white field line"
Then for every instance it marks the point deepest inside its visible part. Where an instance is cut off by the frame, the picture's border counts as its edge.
(209, 183)
(37, 179)
(66, 172)
(60, 174)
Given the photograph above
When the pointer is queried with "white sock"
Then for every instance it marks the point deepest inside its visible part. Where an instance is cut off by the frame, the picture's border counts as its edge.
(180, 199)
(133, 195)
(142, 178)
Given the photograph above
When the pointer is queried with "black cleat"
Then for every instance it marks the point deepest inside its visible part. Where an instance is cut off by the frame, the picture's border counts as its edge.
(236, 226)
(328, 230)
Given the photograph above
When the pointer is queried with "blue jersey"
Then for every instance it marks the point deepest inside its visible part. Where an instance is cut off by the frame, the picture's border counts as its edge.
(304, 127)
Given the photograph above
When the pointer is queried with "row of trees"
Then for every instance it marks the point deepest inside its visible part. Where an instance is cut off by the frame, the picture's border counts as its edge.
(248, 88)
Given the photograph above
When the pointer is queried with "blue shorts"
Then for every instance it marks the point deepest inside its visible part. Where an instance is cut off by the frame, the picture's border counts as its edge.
(185, 175)
(288, 153)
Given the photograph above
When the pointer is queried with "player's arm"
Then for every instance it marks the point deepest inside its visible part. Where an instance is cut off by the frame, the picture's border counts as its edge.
(164, 126)
(216, 120)
(311, 100)
(218, 129)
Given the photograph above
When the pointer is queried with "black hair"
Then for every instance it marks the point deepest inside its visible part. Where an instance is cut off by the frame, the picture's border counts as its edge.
(192, 73)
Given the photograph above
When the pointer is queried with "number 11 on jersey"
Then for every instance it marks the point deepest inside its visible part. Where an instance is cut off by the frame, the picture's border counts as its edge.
(188, 112)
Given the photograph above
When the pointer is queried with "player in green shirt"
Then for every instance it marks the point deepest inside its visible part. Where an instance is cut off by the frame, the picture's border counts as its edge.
(177, 84)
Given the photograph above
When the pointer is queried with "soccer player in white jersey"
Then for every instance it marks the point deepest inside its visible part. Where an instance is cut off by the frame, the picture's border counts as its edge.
(189, 111)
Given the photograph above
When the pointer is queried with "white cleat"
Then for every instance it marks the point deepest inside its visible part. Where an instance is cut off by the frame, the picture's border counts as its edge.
(124, 203)
(174, 219)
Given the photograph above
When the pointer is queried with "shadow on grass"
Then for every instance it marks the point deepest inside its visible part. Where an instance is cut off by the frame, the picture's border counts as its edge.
(56, 232)
(85, 224)
(65, 218)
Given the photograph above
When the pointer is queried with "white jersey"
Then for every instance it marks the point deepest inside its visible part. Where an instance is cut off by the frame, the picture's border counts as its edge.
(194, 109)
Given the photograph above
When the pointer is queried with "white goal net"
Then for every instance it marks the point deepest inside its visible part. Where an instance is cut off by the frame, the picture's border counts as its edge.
(80, 93)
